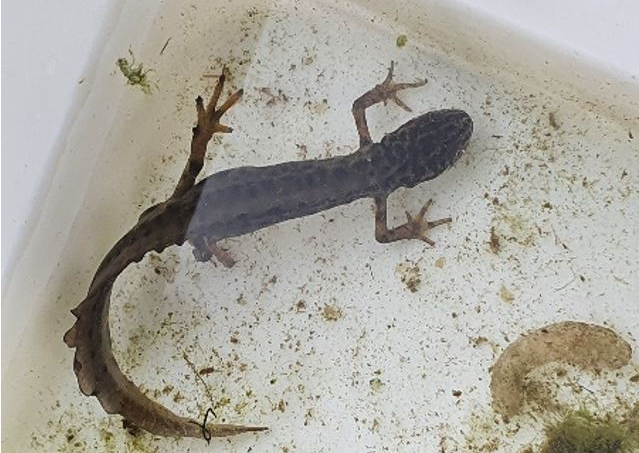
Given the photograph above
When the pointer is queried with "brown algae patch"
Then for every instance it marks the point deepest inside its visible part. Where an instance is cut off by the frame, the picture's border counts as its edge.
(582, 432)
(586, 346)
(332, 313)
(409, 274)
(505, 294)
(376, 384)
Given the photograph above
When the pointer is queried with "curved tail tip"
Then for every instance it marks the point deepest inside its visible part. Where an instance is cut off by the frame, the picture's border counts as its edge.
(224, 430)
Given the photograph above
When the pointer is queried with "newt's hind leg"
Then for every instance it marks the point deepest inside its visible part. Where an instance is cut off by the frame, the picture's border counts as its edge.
(380, 93)
(208, 123)
(414, 228)
(204, 250)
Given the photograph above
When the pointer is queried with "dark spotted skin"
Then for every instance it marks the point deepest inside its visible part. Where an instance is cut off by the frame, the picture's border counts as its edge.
(245, 199)
(242, 200)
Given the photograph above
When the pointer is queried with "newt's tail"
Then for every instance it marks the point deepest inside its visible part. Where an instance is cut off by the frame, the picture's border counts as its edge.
(99, 375)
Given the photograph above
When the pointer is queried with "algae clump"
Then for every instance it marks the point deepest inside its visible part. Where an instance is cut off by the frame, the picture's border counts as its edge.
(401, 40)
(582, 432)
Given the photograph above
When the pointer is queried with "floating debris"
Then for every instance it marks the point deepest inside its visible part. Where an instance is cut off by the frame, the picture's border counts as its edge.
(135, 75)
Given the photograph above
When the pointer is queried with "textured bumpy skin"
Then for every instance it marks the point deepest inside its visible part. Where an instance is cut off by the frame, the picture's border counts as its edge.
(239, 201)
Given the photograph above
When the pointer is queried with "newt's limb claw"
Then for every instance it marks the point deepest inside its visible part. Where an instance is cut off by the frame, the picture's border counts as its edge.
(208, 123)
(414, 228)
(385, 91)
(229, 102)
(217, 91)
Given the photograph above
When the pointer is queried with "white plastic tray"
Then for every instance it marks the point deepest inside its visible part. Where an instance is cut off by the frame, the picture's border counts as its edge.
(561, 194)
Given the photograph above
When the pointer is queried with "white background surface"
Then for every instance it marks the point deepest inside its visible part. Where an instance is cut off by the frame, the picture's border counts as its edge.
(47, 48)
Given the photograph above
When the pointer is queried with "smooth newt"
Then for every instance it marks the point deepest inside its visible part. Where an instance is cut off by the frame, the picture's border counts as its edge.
(242, 200)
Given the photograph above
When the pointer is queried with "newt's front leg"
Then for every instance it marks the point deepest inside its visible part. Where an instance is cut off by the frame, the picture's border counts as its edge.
(380, 93)
(415, 226)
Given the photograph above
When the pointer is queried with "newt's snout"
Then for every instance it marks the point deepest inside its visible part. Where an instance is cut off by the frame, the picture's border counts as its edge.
(450, 127)
(463, 123)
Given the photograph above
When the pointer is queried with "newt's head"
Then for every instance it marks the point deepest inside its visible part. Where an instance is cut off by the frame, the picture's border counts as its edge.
(427, 145)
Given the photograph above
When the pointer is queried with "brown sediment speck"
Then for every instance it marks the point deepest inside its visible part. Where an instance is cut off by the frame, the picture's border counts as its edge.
(494, 241)
(241, 300)
(552, 119)
(332, 313)
(586, 346)
(274, 97)
(478, 341)
(506, 294)
(376, 384)
(205, 371)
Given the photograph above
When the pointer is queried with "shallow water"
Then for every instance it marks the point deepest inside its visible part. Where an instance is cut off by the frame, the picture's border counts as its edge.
(335, 342)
